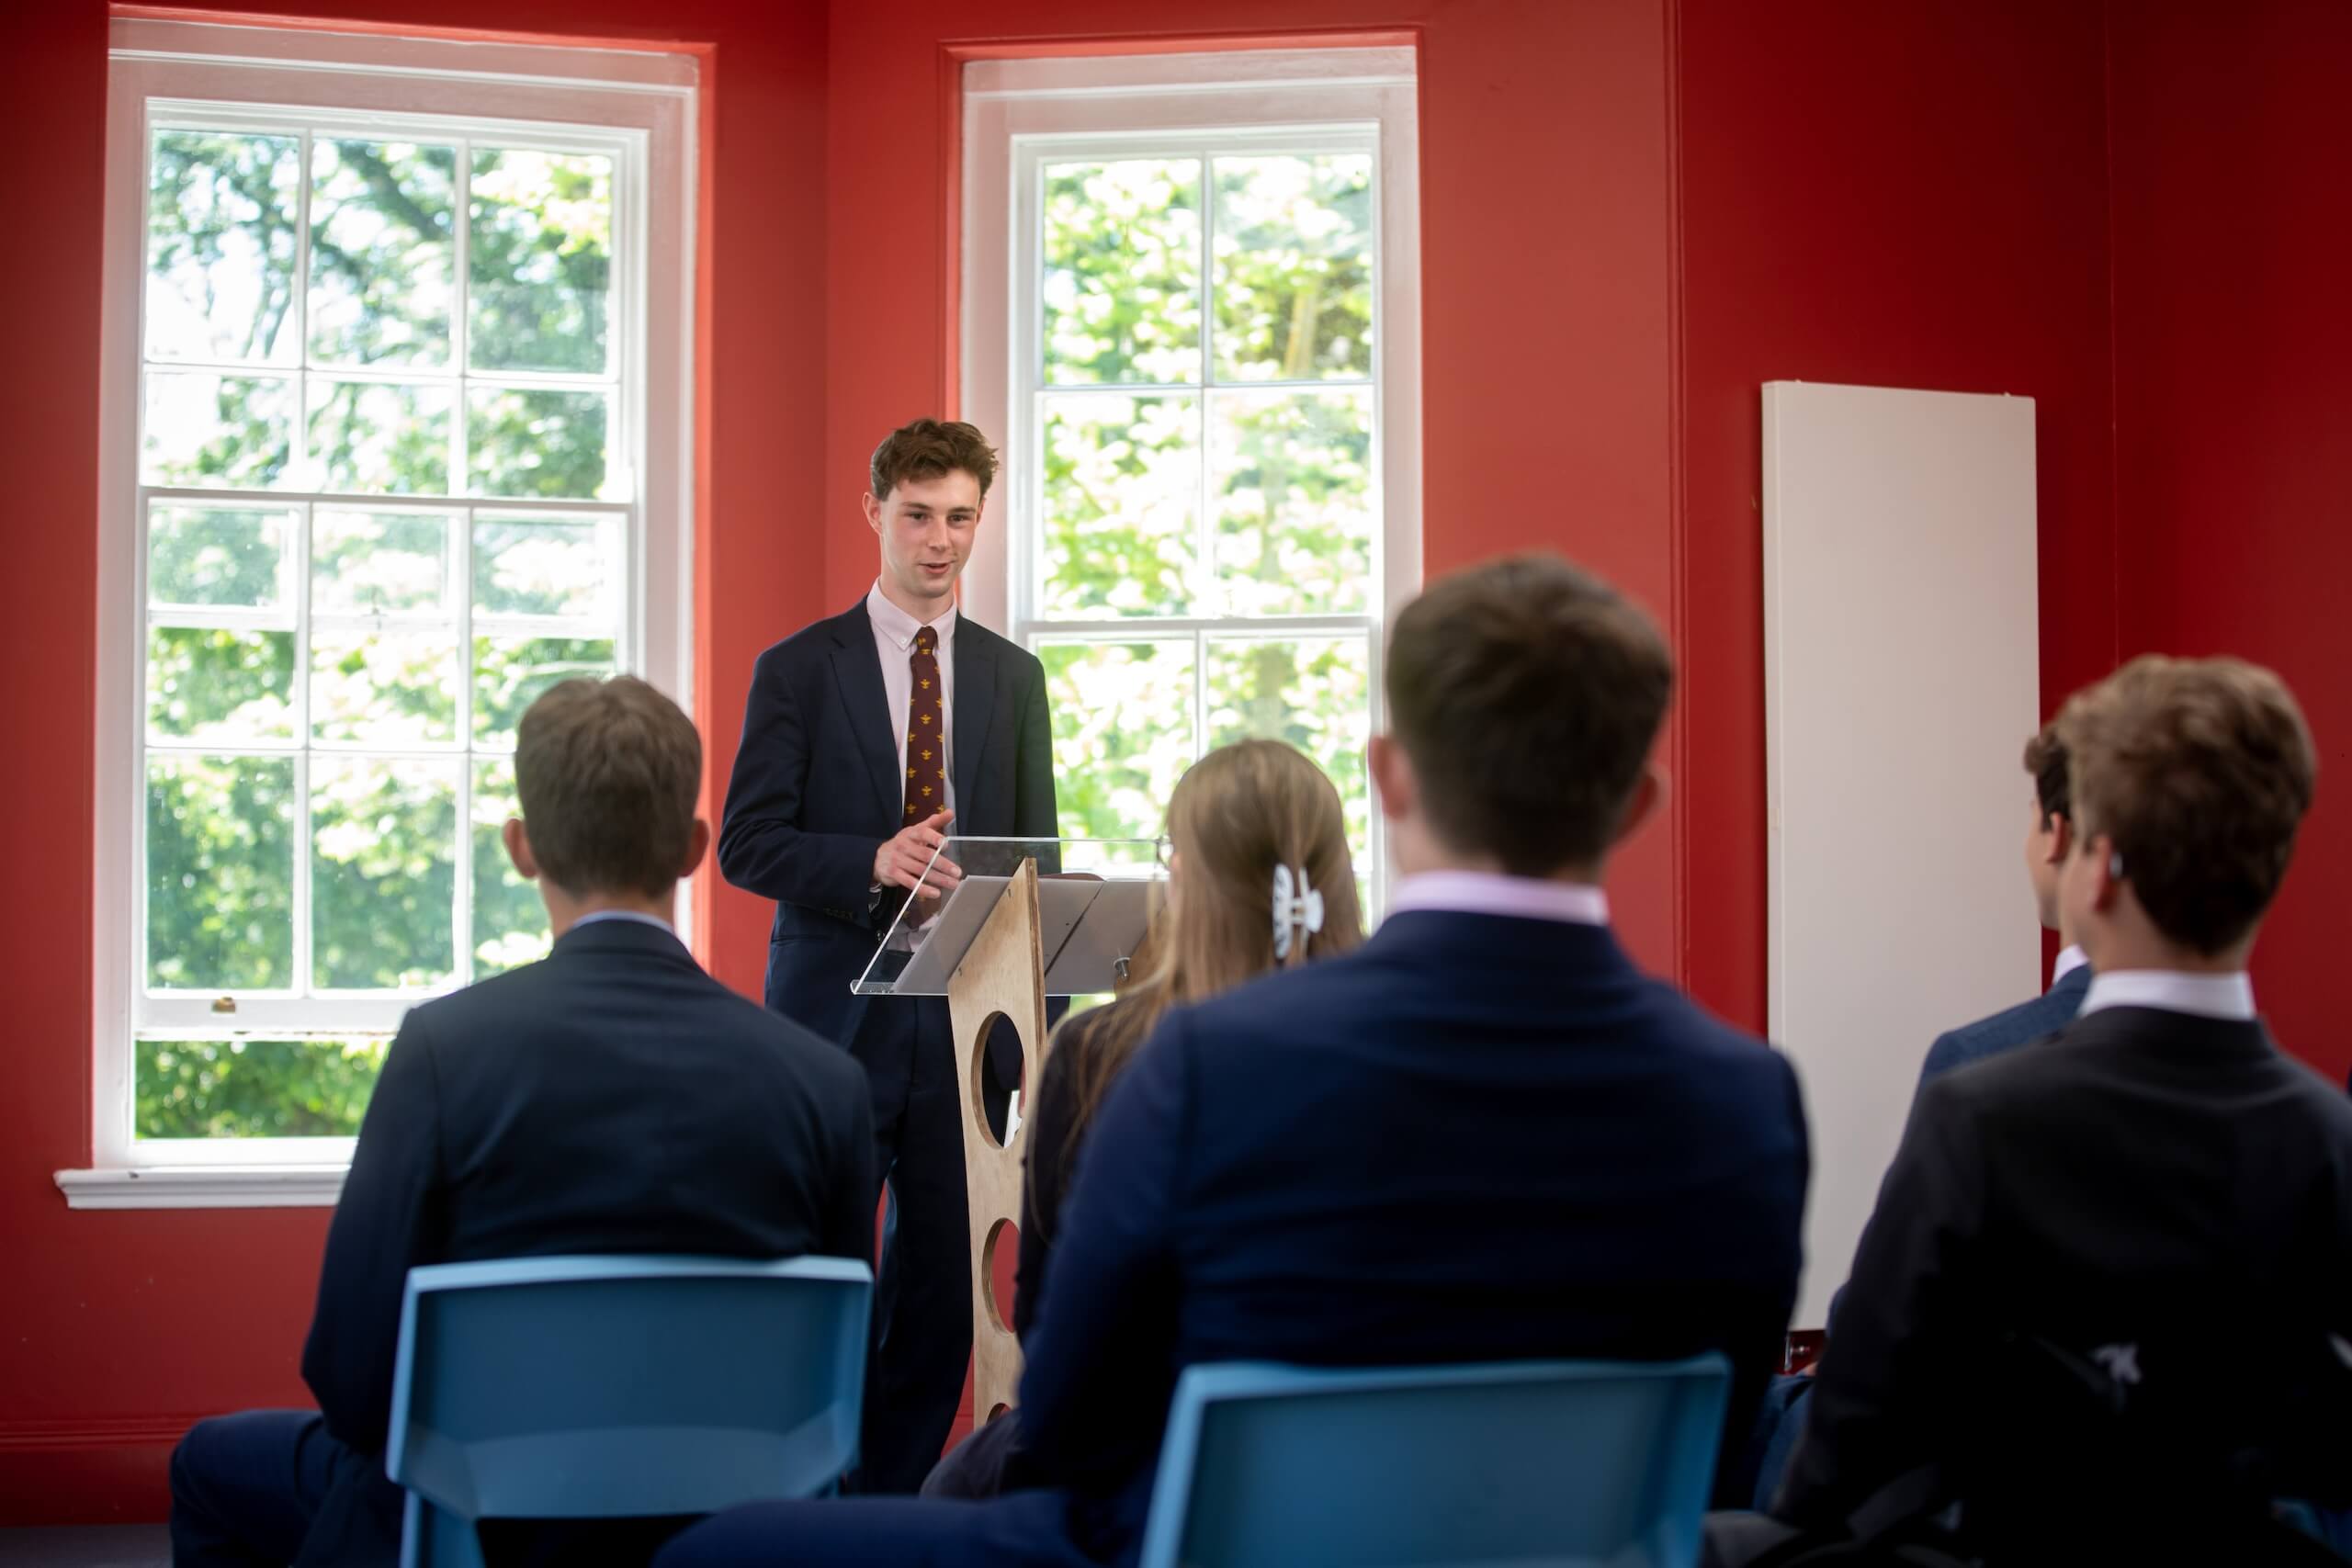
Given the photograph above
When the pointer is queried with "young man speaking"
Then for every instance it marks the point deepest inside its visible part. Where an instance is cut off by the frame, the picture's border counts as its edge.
(865, 737)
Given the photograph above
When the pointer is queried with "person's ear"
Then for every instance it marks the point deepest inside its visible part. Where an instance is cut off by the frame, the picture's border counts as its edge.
(2062, 838)
(518, 850)
(2105, 872)
(874, 511)
(698, 846)
(1391, 776)
(1649, 794)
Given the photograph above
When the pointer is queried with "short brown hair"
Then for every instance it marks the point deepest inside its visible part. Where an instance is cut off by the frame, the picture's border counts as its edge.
(1527, 695)
(2197, 772)
(927, 449)
(607, 771)
(2045, 759)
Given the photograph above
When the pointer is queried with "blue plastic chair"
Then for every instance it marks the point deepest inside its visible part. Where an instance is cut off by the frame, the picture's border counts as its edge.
(1536, 1462)
(612, 1387)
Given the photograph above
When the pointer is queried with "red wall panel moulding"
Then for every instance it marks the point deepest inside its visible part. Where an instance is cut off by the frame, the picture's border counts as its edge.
(102, 1470)
(650, 44)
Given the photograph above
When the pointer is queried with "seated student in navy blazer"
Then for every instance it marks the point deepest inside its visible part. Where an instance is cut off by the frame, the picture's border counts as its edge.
(2157, 1200)
(1482, 1135)
(612, 1098)
(2049, 838)
(869, 738)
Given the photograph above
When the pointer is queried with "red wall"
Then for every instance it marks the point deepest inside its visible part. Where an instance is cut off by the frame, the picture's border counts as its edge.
(1897, 195)
(116, 1328)
(2233, 371)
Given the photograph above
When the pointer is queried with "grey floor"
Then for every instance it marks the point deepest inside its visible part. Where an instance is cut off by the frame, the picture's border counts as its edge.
(98, 1546)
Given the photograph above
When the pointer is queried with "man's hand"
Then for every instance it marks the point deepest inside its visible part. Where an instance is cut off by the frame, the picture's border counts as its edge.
(902, 862)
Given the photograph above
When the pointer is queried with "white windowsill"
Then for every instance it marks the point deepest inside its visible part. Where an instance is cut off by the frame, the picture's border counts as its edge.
(204, 1187)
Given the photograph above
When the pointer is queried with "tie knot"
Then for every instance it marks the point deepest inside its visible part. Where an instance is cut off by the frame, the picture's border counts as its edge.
(925, 639)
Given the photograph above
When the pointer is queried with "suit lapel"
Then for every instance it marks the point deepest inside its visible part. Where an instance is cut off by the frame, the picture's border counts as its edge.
(857, 668)
(974, 705)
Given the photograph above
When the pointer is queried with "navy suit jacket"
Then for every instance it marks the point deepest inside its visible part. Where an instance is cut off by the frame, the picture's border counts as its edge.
(816, 789)
(610, 1098)
(2010, 1028)
(1477, 1138)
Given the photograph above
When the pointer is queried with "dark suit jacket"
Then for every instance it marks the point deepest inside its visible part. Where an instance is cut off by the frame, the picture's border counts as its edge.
(2168, 1186)
(2010, 1028)
(1477, 1138)
(816, 789)
(611, 1099)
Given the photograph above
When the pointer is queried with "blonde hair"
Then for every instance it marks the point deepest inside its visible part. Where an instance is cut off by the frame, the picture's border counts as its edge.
(1237, 815)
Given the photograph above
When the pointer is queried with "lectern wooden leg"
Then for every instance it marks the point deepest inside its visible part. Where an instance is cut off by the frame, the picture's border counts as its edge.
(1002, 976)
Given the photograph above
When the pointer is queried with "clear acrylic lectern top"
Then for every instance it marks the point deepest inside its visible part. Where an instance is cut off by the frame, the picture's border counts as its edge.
(1095, 899)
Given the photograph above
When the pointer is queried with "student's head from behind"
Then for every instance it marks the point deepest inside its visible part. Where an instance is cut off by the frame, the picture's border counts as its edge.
(1524, 699)
(607, 772)
(1239, 816)
(927, 482)
(2190, 777)
(2049, 833)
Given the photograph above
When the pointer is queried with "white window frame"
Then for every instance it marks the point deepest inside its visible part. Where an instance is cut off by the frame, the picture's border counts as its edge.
(640, 108)
(1018, 113)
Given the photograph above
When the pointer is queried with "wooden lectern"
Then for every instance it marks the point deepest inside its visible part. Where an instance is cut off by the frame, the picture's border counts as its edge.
(1007, 937)
(1002, 976)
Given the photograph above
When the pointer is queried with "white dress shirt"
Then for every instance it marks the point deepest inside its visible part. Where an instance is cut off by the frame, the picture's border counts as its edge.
(1488, 893)
(635, 917)
(894, 644)
(2205, 995)
(2069, 959)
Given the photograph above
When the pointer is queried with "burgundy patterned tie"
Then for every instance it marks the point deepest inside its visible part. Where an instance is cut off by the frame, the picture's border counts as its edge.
(926, 727)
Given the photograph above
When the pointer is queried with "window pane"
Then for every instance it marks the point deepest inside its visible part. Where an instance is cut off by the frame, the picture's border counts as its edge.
(203, 554)
(378, 438)
(384, 686)
(535, 442)
(213, 684)
(510, 672)
(510, 924)
(1293, 268)
(1315, 692)
(221, 872)
(383, 871)
(540, 260)
(1122, 487)
(534, 566)
(377, 563)
(220, 235)
(1123, 733)
(1291, 480)
(1123, 272)
(217, 430)
(256, 1088)
(382, 222)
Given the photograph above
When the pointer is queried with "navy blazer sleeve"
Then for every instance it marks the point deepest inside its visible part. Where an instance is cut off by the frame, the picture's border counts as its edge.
(761, 847)
(1889, 1373)
(1034, 812)
(390, 1218)
(1102, 1352)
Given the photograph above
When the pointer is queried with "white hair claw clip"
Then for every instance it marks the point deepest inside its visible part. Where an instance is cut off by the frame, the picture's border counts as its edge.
(1296, 906)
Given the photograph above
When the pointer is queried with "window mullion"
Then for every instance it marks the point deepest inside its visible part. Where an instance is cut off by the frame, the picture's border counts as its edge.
(461, 304)
(301, 979)
(461, 556)
(300, 442)
(1208, 590)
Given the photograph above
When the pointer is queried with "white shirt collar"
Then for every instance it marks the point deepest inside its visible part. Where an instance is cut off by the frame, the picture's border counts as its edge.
(900, 626)
(1488, 893)
(635, 916)
(2069, 959)
(2205, 995)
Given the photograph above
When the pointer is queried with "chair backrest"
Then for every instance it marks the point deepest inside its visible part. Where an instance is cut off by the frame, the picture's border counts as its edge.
(1523, 1463)
(606, 1387)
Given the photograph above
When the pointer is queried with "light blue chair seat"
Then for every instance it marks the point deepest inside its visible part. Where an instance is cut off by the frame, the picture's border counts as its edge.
(615, 1387)
(1590, 1464)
